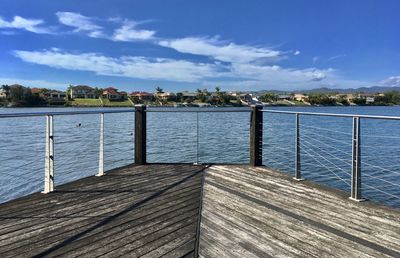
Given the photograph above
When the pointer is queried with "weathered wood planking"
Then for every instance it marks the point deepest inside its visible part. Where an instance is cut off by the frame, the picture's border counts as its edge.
(257, 212)
(148, 211)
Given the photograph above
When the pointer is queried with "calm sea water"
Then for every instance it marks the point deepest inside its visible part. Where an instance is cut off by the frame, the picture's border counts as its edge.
(221, 138)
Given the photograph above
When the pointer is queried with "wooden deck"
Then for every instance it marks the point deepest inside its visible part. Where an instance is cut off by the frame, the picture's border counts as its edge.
(257, 212)
(153, 211)
(147, 211)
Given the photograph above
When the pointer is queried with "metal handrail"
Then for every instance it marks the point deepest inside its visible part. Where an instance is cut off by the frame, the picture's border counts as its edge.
(331, 114)
(63, 113)
(130, 110)
(356, 146)
(199, 109)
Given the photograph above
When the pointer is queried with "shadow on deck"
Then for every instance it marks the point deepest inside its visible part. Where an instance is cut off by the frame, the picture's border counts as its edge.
(146, 211)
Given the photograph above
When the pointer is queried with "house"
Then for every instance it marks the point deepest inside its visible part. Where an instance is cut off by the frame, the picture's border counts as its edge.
(124, 95)
(82, 92)
(111, 93)
(3, 93)
(56, 97)
(369, 100)
(188, 96)
(246, 98)
(37, 91)
(349, 97)
(165, 96)
(300, 97)
(233, 94)
(142, 96)
(285, 97)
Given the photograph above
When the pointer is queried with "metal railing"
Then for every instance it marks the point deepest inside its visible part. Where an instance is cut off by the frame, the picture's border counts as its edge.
(356, 163)
(49, 178)
(192, 110)
(302, 142)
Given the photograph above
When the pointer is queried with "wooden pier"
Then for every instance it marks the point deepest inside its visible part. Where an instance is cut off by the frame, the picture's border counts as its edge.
(147, 211)
(153, 211)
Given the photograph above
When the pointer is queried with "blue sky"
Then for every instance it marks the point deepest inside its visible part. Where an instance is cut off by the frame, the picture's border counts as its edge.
(185, 45)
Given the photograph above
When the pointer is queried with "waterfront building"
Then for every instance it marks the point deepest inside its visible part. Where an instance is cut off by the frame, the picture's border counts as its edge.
(83, 92)
(165, 96)
(55, 97)
(111, 93)
(3, 93)
(300, 97)
(142, 95)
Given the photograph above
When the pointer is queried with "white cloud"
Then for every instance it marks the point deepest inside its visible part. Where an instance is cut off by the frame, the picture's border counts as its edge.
(18, 22)
(393, 81)
(129, 32)
(277, 75)
(126, 66)
(296, 53)
(218, 50)
(81, 23)
(175, 70)
(33, 83)
(336, 57)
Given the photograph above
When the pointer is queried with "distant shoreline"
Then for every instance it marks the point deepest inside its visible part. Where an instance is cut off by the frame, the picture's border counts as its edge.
(191, 105)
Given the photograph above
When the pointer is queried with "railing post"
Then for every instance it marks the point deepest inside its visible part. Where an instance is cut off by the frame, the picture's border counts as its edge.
(140, 134)
(356, 162)
(49, 156)
(297, 172)
(101, 150)
(197, 139)
(256, 135)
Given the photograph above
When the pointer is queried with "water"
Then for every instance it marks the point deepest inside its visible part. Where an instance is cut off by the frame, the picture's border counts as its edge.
(221, 138)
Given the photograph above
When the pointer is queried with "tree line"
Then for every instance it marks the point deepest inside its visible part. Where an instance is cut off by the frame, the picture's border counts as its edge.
(18, 95)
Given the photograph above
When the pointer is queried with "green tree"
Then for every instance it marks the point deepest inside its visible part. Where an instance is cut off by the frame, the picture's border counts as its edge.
(69, 90)
(343, 100)
(16, 93)
(135, 100)
(159, 90)
(359, 101)
(179, 97)
(321, 99)
(269, 97)
(99, 91)
(200, 95)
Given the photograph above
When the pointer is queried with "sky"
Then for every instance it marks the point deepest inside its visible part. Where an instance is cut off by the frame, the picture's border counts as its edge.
(184, 45)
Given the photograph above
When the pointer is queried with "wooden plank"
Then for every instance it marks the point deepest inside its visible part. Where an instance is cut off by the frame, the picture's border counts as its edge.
(147, 204)
(259, 212)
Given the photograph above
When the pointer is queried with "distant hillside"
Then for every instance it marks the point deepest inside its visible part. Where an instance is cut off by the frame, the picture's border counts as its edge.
(374, 89)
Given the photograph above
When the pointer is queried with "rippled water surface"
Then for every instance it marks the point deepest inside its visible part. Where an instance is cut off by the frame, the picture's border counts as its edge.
(205, 138)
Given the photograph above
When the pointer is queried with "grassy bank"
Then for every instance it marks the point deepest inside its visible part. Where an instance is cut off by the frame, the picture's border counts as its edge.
(99, 103)
(85, 103)
(125, 103)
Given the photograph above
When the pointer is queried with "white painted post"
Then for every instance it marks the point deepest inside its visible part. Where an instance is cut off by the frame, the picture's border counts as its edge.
(101, 151)
(49, 158)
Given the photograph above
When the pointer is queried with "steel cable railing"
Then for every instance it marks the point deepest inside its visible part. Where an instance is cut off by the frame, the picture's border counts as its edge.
(330, 148)
(71, 148)
(336, 150)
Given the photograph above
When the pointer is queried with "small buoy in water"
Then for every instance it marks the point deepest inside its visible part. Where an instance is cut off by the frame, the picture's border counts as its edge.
(78, 125)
